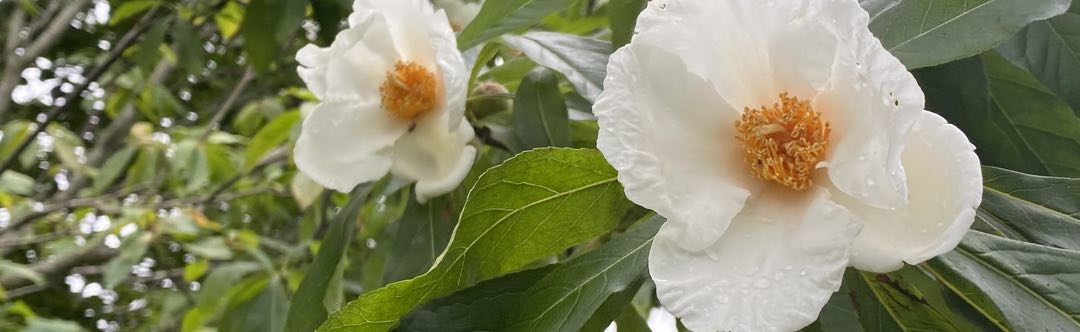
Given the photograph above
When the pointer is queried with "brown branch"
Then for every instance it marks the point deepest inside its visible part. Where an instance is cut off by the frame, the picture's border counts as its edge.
(219, 115)
(50, 267)
(75, 96)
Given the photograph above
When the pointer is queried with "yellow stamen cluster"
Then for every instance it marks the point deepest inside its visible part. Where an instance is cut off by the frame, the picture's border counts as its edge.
(409, 90)
(783, 143)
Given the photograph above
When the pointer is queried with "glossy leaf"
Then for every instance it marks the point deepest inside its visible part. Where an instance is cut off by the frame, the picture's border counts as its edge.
(1039, 209)
(499, 17)
(884, 304)
(1034, 287)
(568, 296)
(1013, 120)
(923, 33)
(1050, 50)
(266, 25)
(540, 116)
(531, 207)
(582, 60)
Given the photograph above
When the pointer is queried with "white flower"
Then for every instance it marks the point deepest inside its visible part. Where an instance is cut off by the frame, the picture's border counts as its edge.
(392, 91)
(460, 12)
(783, 143)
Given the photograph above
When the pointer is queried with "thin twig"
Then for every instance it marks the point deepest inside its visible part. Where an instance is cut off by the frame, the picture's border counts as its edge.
(276, 156)
(73, 98)
(215, 122)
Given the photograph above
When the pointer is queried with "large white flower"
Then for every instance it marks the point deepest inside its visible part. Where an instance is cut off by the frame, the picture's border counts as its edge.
(783, 143)
(392, 89)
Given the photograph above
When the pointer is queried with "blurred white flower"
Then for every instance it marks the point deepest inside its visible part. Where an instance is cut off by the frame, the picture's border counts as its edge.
(782, 142)
(392, 91)
(460, 12)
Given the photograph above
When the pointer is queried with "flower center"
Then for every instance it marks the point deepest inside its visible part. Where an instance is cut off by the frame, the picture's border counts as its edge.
(783, 143)
(409, 90)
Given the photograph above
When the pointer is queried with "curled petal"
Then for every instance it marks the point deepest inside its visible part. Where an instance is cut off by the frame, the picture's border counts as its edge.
(946, 186)
(436, 158)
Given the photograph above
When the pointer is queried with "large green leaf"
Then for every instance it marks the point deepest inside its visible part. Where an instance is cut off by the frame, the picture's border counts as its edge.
(477, 308)
(531, 207)
(540, 115)
(884, 303)
(582, 60)
(1034, 287)
(1013, 120)
(1050, 49)
(1039, 209)
(568, 296)
(925, 33)
(502, 16)
(559, 297)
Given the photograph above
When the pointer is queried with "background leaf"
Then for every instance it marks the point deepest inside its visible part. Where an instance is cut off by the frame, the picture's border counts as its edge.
(925, 33)
(1050, 50)
(540, 116)
(499, 17)
(582, 60)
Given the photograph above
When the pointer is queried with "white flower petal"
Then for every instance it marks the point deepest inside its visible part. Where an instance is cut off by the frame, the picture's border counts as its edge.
(354, 65)
(773, 270)
(871, 106)
(436, 158)
(670, 136)
(423, 35)
(946, 186)
(345, 143)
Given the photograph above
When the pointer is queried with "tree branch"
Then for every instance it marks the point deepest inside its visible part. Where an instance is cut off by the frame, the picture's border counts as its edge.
(215, 122)
(57, 26)
(75, 96)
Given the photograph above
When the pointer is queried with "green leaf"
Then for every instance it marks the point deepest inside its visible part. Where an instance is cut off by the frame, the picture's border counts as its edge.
(561, 296)
(1013, 120)
(623, 18)
(1034, 287)
(308, 310)
(925, 33)
(9, 268)
(149, 48)
(211, 248)
(499, 17)
(113, 168)
(422, 233)
(531, 207)
(883, 303)
(1050, 50)
(1039, 209)
(568, 296)
(267, 24)
(270, 136)
(129, 9)
(16, 183)
(616, 306)
(228, 19)
(582, 60)
(329, 14)
(196, 270)
(477, 308)
(131, 252)
(192, 56)
(264, 313)
(52, 325)
(13, 135)
(540, 116)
